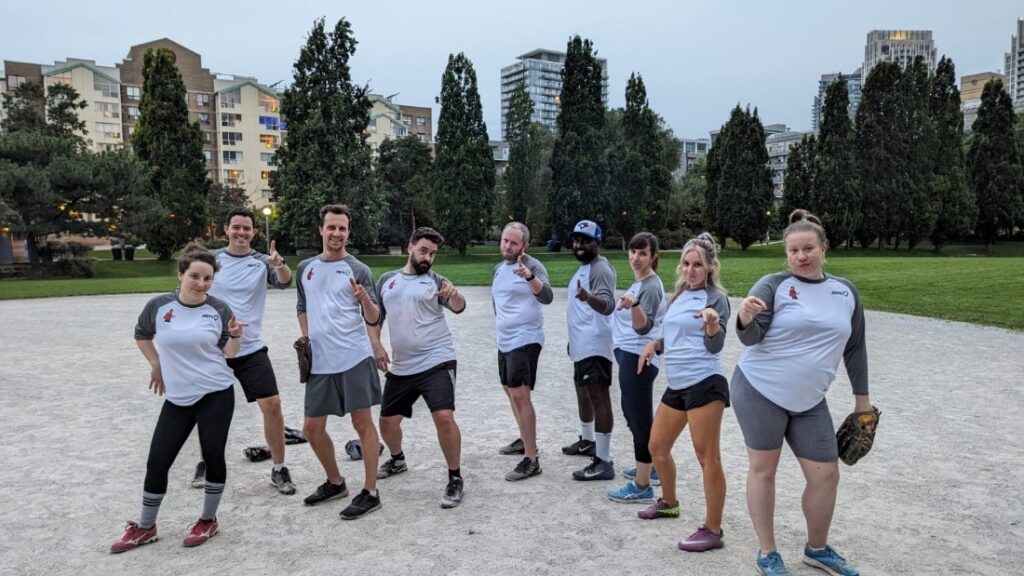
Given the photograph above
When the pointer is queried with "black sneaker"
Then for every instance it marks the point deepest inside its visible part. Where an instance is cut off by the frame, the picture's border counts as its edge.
(199, 478)
(327, 491)
(361, 505)
(580, 447)
(283, 481)
(391, 468)
(516, 447)
(452, 493)
(597, 470)
(524, 470)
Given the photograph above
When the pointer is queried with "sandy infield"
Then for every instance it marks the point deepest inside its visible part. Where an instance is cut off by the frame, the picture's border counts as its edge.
(940, 494)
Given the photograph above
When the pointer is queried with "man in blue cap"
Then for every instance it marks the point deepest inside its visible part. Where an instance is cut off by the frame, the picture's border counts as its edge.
(591, 302)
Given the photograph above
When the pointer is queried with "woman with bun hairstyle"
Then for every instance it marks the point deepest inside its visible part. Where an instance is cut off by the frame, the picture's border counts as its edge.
(186, 336)
(698, 392)
(796, 326)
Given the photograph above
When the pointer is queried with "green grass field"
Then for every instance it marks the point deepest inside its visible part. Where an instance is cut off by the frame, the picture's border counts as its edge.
(964, 283)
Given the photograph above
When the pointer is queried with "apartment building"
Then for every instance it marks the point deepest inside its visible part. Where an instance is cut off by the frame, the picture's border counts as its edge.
(899, 46)
(249, 130)
(1014, 66)
(419, 121)
(691, 150)
(853, 92)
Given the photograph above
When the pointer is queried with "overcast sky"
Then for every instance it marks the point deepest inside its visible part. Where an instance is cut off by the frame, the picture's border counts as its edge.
(698, 59)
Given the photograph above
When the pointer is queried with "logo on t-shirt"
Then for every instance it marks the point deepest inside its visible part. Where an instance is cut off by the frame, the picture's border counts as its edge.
(169, 315)
(309, 275)
(793, 293)
(392, 284)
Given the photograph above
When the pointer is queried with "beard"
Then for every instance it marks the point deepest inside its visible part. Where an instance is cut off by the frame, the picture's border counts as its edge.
(421, 266)
(584, 256)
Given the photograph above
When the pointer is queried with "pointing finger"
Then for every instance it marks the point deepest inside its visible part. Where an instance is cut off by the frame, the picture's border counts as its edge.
(273, 246)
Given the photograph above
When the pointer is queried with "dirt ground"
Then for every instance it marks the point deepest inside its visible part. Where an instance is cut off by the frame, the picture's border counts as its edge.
(940, 493)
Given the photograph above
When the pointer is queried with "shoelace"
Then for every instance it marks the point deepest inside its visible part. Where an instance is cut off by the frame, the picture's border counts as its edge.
(833, 556)
(774, 562)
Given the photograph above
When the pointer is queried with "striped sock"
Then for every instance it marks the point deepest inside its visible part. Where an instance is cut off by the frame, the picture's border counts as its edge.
(212, 500)
(150, 508)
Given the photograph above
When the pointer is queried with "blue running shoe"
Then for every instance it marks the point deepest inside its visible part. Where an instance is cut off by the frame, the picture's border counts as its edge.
(771, 565)
(631, 493)
(630, 473)
(830, 561)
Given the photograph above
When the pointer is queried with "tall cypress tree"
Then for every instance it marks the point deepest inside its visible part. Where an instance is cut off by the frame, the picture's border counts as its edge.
(920, 209)
(176, 208)
(325, 158)
(522, 157)
(994, 164)
(579, 169)
(955, 203)
(801, 167)
(463, 178)
(835, 191)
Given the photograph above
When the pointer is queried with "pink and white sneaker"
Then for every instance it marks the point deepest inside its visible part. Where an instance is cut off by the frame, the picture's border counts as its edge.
(702, 540)
(134, 536)
(200, 531)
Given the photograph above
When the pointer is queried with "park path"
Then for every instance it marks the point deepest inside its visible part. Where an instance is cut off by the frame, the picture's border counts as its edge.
(939, 494)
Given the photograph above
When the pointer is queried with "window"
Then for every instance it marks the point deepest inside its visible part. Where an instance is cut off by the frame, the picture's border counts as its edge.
(230, 138)
(231, 157)
(203, 118)
(132, 93)
(229, 119)
(284, 126)
(207, 138)
(132, 112)
(269, 122)
(108, 109)
(108, 130)
(231, 98)
(422, 137)
(232, 177)
(421, 121)
(268, 103)
(108, 89)
(268, 157)
(202, 100)
(268, 140)
(14, 81)
(61, 79)
(208, 156)
(265, 175)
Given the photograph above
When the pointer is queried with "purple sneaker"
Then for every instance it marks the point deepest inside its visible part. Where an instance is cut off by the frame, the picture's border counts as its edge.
(659, 509)
(702, 540)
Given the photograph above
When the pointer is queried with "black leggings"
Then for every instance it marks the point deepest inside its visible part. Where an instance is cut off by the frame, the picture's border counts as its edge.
(213, 415)
(637, 403)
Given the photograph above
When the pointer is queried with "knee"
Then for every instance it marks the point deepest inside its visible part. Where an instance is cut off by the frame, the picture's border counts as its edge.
(270, 406)
(313, 430)
(762, 473)
(444, 419)
(362, 422)
(826, 478)
(658, 448)
(709, 458)
(389, 423)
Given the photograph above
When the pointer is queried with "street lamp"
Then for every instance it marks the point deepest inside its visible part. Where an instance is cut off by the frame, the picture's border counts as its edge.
(267, 211)
(767, 233)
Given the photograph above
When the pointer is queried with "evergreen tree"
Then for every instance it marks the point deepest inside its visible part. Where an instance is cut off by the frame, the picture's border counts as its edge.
(53, 113)
(325, 158)
(836, 200)
(919, 212)
(403, 174)
(801, 180)
(645, 181)
(994, 164)
(739, 193)
(523, 158)
(462, 181)
(686, 206)
(579, 168)
(175, 208)
(955, 203)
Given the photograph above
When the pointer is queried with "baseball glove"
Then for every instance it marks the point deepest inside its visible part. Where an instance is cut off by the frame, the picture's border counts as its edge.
(304, 351)
(856, 435)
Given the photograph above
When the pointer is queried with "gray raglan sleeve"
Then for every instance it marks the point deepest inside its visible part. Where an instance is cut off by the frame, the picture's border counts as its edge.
(272, 279)
(439, 282)
(225, 313)
(364, 277)
(720, 302)
(300, 306)
(650, 302)
(765, 290)
(380, 290)
(855, 356)
(602, 286)
(546, 295)
(145, 328)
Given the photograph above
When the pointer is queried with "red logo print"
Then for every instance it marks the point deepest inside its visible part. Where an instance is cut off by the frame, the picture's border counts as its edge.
(391, 285)
(793, 293)
(309, 275)
(169, 315)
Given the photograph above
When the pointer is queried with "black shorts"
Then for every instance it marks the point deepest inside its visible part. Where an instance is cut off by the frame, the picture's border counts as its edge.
(436, 385)
(255, 374)
(714, 387)
(519, 367)
(592, 370)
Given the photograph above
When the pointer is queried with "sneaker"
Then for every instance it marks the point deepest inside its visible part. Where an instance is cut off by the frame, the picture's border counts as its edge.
(580, 447)
(630, 473)
(200, 531)
(327, 491)
(771, 565)
(597, 470)
(391, 468)
(283, 481)
(702, 540)
(452, 493)
(256, 453)
(830, 561)
(516, 447)
(133, 537)
(524, 469)
(199, 478)
(660, 509)
(361, 505)
(630, 492)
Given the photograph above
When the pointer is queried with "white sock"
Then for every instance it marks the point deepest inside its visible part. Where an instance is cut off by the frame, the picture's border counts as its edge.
(587, 430)
(604, 445)
(277, 467)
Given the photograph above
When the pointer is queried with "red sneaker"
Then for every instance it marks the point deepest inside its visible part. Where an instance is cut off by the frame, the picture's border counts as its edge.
(133, 537)
(200, 531)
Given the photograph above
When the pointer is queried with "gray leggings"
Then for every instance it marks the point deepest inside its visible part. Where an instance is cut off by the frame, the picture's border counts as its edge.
(810, 434)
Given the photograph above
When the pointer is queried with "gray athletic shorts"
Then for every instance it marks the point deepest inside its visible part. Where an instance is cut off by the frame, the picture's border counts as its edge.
(810, 434)
(341, 393)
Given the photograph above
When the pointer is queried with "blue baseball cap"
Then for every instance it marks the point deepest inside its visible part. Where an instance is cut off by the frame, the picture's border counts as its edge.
(587, 228)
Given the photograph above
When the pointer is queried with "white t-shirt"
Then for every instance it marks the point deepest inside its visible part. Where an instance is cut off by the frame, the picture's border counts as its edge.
(590, 332)
(689, 355)
(650, 293)
(518, 316)
(420, 338)
(242, 282)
